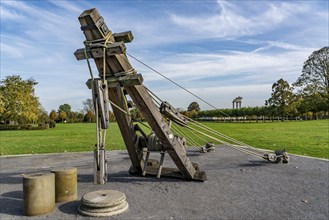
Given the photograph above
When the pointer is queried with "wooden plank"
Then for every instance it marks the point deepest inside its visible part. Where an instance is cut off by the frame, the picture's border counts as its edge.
(115, 48)
(128, 80)
(126, 36)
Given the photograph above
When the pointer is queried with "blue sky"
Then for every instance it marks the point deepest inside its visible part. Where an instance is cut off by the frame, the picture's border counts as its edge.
(217, 49)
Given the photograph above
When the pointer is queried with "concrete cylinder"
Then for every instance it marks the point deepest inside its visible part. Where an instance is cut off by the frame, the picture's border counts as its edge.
(66, 186)
(38, 193)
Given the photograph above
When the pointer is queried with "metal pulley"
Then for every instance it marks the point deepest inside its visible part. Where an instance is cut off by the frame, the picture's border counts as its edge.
(173, 114)
(279, 156)
(209, 147)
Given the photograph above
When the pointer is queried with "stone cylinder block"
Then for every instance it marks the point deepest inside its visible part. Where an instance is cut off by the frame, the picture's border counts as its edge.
(66, 184)
(38, 193)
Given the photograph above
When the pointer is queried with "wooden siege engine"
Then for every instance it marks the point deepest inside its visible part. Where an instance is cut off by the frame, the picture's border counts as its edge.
(117, 80)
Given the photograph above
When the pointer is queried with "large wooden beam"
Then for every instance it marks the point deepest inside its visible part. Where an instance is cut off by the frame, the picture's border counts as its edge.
(126, 126)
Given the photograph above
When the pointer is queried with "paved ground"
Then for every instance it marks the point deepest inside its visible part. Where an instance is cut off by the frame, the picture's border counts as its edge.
(238, 186)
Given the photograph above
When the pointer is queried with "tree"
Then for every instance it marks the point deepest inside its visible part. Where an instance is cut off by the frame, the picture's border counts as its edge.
(17, 100)
(315, 72)
(72, 116)
(88, 105)
(313, 84)
(89, 116)
(65, 108)
(53, 115)
(193, 106)
(281, 98)
(80, 116)
(62, 115)
(43, 116)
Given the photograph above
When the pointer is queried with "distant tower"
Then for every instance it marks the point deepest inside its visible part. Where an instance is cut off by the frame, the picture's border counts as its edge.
(237, 102)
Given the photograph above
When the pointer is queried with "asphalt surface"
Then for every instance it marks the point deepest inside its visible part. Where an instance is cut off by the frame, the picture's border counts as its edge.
(238, 186)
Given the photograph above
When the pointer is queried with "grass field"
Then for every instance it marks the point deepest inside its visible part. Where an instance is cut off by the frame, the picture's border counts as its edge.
(309, 138)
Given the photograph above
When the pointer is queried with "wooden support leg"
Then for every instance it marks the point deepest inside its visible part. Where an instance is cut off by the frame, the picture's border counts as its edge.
(145, 163)
(100, 167)
(161, 164)
(126, 128)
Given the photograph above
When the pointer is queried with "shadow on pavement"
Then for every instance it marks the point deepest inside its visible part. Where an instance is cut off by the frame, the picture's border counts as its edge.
(255, 163)
(11, 178)
(70, 208)
(13, 203)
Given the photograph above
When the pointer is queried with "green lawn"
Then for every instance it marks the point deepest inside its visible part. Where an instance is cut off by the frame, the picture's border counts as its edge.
(309, 138)
(299, 137)
(63, 138)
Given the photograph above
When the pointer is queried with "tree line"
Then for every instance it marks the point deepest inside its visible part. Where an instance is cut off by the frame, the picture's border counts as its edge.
(306, 98)
(87, 114)
(19, 105)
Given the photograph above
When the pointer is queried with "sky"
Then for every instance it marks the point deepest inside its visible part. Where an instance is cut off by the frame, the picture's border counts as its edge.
(216, 49)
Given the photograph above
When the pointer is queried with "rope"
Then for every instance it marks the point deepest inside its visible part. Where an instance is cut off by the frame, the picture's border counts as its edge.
(205, 141)
(170, 80)
(180, 134)
(198, 124)
(155, 98)
(153, 94)
(89, 67)
(188, 138)
(128, 114)
(228, 144)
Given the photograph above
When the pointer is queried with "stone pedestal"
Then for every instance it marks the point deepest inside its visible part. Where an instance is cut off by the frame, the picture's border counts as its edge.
(66, 184)
(38, 193)
(103, 203)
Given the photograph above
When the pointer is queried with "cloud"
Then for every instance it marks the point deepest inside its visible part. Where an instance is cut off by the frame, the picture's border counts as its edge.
(258, 65)
(68, 6)
(10, 50)
(231, 22)
(10, 14)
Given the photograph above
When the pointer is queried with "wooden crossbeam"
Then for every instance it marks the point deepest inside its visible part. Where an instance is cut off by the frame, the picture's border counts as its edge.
(126, 36)
(111, 49)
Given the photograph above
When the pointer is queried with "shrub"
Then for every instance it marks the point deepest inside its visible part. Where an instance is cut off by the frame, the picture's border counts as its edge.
(52, 124)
